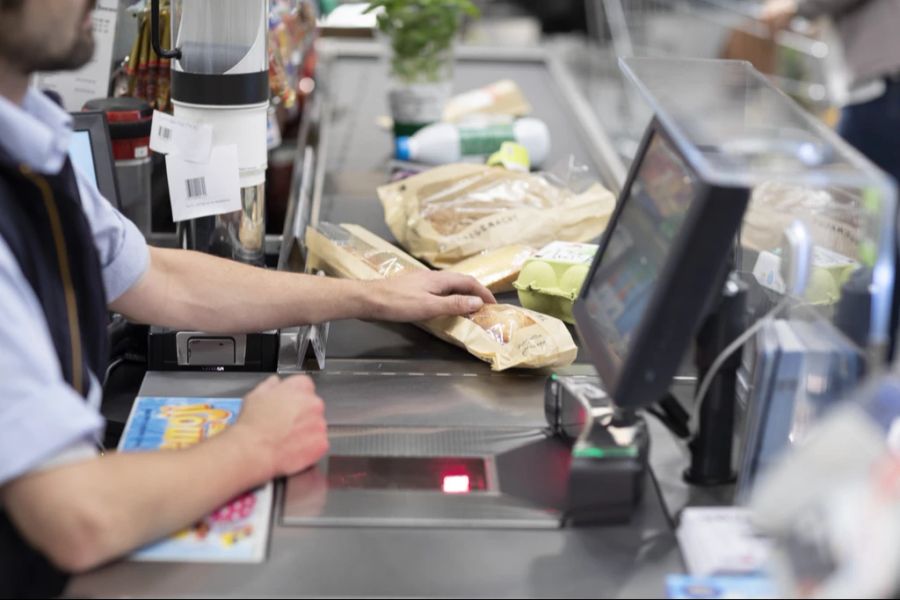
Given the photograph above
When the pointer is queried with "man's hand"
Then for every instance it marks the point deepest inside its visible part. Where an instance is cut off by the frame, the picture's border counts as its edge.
(423, 295)
(286, 417)
(778, 14)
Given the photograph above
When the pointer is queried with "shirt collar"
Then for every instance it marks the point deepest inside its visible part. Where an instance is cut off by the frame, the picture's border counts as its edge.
(36, 133)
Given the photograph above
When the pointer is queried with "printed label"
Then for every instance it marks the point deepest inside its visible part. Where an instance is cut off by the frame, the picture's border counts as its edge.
(569, 252)
(186, 139)
(475, 141)
(202, 190)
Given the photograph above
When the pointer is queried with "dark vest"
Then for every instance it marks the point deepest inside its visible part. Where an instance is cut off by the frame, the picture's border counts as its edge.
(42, 222)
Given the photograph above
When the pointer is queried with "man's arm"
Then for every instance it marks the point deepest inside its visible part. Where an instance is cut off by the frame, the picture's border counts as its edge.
(84, 514)
(183, 289)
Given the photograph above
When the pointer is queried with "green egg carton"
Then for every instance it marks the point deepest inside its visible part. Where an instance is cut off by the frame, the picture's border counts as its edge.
(550, 281)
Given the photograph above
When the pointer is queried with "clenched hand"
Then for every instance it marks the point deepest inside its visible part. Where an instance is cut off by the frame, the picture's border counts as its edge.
(286, 417)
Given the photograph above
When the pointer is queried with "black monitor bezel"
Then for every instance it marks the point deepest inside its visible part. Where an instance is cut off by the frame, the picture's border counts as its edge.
(690, 279)
(94, 122)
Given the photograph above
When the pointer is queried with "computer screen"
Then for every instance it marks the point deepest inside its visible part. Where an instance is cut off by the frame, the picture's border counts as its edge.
(90, 150)
(660, 261)
(81, 155)
(658, 201)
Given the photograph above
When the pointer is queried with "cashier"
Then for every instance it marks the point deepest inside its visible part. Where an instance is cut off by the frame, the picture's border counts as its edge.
(65, 257)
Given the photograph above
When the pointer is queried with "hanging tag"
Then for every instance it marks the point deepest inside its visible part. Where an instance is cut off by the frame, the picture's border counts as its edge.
(187, 139)
(202, 190)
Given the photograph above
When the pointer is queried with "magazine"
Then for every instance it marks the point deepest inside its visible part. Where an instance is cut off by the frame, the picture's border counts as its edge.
(237, 531)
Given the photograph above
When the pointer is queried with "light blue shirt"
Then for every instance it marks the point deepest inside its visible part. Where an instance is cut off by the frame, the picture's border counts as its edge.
(41, 416)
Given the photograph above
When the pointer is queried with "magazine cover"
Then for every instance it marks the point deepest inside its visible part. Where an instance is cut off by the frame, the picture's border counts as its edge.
(236, 532)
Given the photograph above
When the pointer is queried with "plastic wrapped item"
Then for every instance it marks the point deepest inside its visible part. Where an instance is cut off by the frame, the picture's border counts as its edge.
(833, 220)
(496, 269)
(456, 211)
(505, 336)
(147, 76)
(502, 321)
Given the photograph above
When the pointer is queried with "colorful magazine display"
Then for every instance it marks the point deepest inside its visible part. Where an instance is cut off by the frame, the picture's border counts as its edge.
(236, 532)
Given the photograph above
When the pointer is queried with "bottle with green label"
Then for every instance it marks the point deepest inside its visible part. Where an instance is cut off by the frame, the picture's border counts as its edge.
(444, 143)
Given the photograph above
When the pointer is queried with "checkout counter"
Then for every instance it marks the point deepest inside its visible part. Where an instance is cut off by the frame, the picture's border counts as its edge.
(395, 387)
(382, 378)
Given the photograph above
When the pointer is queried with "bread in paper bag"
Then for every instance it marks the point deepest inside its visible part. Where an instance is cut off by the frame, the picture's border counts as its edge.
(496, 269)
(503, 335)
(450, 213)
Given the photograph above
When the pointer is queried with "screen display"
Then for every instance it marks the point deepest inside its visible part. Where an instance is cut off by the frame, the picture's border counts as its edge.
(655, 209)
(446, 475)
(81, 154)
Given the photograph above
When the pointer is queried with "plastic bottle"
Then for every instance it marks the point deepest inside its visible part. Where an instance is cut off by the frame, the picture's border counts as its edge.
(444, 143)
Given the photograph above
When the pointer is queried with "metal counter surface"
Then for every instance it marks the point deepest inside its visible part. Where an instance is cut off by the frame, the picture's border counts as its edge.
(609, 561)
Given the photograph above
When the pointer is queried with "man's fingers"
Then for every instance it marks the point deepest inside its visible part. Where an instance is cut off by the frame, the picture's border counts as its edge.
(457, 283)
(458, 305)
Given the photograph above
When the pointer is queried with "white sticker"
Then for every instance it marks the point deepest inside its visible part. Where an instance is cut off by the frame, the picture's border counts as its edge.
(570, 252)
(202, 190)
(179, 137)
(767, 271)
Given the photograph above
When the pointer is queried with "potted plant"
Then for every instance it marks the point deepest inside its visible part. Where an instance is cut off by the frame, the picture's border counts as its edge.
(421, 34)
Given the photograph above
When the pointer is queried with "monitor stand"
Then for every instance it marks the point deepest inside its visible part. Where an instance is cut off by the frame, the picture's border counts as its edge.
(711, 447)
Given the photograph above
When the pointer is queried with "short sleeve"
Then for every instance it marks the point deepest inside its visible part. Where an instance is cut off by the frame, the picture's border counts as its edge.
(124, 256)
(40, 414)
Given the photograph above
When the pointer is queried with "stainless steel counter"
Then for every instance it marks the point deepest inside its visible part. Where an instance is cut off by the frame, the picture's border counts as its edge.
(612, 561)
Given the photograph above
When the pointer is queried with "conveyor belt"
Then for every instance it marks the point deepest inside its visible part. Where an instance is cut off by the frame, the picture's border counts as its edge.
(354, 153)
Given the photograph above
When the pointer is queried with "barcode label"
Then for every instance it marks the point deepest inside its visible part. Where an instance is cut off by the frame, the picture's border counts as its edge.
(196, 187)
(190, 139)
(203, 189)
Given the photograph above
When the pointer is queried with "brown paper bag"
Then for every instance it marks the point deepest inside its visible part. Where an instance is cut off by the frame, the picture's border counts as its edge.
(496, 269)
(503, 335)
(450, 213)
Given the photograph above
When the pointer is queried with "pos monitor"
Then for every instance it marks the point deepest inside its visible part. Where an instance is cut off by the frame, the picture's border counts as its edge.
(660, 263)
(90, 150)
